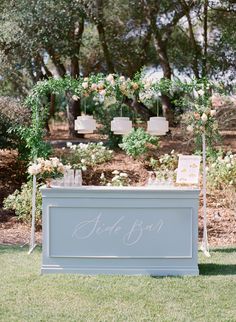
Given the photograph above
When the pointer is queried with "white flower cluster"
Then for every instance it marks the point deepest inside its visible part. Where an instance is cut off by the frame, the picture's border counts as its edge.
(229, 161)
(222, 172)
(83, 155)
(52, 166)
(119, 179)
(149, 93)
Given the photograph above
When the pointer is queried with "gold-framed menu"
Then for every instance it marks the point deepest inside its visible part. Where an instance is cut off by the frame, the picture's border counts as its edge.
(188, 169)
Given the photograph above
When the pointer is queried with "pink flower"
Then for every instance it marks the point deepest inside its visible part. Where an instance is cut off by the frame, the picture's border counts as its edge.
(216, 101)
(94, 87)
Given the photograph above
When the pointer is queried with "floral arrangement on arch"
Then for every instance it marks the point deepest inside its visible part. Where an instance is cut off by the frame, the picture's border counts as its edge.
(201, 116)
(106, 90)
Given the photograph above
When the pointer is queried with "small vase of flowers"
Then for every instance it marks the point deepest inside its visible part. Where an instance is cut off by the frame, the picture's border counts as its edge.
(46, 170)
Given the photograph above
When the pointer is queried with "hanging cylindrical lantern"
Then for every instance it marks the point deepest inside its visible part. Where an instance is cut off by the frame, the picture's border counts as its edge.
(157, 125)
(121, 125)
(85, 124)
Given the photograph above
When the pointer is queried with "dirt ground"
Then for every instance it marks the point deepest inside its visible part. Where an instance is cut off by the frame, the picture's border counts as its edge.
(221, 217)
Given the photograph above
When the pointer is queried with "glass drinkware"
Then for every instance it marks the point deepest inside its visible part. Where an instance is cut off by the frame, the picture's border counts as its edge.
(69, 178)
(78, 178)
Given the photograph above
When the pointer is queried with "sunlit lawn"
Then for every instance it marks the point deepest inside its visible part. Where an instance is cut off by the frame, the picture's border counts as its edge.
(25, 295)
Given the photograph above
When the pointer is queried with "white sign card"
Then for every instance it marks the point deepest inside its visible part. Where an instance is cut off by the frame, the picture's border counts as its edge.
(188, 169)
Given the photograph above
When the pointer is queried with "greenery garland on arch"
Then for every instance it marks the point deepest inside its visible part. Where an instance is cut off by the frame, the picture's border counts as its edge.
(113, 88)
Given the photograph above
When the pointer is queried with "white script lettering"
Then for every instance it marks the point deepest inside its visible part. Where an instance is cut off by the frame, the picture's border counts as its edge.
(129, 234)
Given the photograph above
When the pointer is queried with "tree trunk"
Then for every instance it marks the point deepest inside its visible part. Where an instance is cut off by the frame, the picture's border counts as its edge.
(165, 65)
(57, 62)
(138, 107)
(74, 108)
(205, 37)
(102, 37)
(72, 113)
(192, 39)
(74, 67)
(161, 50)
(52, 105)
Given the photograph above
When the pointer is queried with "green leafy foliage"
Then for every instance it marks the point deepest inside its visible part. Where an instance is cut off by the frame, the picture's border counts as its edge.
(39, 37)
(137, 142)
(119, 179)
(21, 202)
(104, 116)
(165, 165)
(222, 172)
(12, 116)
(84, 156)
(107, 94)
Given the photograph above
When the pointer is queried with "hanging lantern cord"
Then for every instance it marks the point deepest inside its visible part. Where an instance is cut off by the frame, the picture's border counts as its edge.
(85, 107)
(157, 106)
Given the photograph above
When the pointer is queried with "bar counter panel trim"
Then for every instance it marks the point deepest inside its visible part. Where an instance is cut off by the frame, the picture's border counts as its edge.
(85, 231)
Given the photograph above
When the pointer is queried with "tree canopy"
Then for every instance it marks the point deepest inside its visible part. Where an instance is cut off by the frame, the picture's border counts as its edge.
(44, 38)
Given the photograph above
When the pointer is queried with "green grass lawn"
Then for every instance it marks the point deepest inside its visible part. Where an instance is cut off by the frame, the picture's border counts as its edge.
(27, 296)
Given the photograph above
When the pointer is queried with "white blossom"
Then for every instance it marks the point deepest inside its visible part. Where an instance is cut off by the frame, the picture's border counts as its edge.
(55, 162)
(116, 177)
(200, 92)
(204, 118)
(34, 169)
(227, 159)
(213, 113)
(75, 97)
(68, 144)
(123, 174)
(85, 85)
(190, 128)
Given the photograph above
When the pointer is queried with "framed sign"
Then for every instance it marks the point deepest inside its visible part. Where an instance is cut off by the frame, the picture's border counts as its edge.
(188, 169)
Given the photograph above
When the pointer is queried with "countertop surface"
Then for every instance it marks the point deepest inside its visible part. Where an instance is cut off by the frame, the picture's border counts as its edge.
(129, 188)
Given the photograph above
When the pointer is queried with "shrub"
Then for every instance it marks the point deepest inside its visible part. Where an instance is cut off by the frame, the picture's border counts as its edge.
(222, 172)
(14, 111)
(83, 156)
(165, 165)
(119, 179)
(21, 202)
(13, 115)
(137, 142)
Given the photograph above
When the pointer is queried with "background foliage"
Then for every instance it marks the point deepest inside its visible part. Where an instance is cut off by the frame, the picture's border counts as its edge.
(39, 39)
